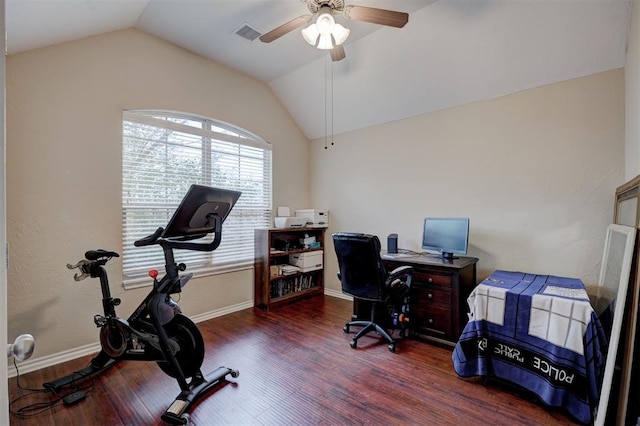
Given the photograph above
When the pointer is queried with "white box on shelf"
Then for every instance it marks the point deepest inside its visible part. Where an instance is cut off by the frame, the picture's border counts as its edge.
(315, 218)
(309, 261)
(284, 211)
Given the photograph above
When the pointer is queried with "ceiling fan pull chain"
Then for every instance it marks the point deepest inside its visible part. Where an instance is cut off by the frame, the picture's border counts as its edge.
(325, 104)
(332, 114)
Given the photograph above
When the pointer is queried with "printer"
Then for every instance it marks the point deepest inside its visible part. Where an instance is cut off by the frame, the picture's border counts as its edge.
(314, 218)
(285, 220)
(289, 222)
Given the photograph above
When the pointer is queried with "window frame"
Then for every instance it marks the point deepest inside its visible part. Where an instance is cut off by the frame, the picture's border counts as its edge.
(217, 140)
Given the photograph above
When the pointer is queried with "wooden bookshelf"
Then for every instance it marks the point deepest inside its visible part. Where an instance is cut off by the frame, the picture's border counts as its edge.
(273, 248)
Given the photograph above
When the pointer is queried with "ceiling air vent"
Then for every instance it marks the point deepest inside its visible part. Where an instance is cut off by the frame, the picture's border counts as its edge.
(247, 32)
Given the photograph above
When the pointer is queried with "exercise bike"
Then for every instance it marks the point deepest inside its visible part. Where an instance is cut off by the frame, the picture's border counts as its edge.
(157, 330)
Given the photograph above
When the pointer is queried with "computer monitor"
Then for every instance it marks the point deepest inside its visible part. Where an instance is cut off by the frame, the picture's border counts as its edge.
(446, 236)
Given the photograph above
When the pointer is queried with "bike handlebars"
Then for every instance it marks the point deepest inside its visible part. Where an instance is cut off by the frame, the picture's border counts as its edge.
(151, 239)
(182, 241)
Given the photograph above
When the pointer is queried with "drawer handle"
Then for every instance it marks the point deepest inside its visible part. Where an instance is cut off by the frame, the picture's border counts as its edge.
(430, 280)
(429, 296)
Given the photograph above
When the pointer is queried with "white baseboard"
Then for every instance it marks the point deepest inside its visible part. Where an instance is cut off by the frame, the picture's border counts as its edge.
(336, 293)
(34, 364)
(92, 348)
(222, 311)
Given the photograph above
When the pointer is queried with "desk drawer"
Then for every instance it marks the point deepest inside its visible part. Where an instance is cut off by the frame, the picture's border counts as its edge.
(435, 321)
(429, 278)
(429, 296)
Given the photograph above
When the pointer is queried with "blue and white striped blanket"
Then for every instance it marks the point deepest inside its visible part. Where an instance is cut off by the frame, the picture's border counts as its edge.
(538, 332)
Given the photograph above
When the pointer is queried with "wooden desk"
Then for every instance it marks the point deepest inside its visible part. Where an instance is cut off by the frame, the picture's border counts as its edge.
(438, 297)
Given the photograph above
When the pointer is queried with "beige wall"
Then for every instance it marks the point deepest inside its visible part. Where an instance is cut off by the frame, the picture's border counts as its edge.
(535, 172)
(632, 96)
(64, 111)
(4, 392)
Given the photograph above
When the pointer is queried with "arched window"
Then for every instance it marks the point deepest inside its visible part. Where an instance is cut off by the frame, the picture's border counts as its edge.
(163, 153)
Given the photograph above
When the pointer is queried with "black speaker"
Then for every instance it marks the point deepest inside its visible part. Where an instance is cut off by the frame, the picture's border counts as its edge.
(392, 243)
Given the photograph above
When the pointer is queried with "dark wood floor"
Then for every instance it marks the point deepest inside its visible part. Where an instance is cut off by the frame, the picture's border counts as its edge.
(296, 368)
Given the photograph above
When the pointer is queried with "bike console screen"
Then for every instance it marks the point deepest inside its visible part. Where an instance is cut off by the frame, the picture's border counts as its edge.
(194, 214)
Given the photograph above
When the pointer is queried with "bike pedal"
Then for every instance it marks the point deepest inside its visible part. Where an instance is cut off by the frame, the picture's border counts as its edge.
(99, 320)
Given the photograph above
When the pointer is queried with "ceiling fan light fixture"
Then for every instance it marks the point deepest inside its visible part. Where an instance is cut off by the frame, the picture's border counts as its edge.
(325, 23)
(340, 33)
(325, 31)
(310, 34)
(325, 42)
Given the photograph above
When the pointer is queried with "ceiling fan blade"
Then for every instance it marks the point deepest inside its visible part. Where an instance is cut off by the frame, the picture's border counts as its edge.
(337, 53)
(377, 16)
(285, 28)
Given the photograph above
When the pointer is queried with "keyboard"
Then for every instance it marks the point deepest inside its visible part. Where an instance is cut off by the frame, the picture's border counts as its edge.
(395, 255)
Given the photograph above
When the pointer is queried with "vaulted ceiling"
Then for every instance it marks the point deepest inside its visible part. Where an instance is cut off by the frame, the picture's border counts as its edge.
(450, 53)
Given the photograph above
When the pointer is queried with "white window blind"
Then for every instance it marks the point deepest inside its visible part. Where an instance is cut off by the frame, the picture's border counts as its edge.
(164, 153)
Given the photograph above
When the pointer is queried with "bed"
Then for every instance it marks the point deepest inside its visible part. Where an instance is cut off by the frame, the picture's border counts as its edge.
(538, 332)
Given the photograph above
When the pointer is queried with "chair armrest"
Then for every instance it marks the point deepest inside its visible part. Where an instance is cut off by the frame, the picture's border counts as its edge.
(403, 274)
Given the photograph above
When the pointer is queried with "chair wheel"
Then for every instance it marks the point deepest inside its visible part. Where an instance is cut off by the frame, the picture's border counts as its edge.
(235, 373)
(345, 328)
(353, 344)
(392, 347)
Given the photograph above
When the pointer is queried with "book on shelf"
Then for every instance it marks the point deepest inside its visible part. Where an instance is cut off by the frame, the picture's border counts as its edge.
(285, 286)
(289, 269)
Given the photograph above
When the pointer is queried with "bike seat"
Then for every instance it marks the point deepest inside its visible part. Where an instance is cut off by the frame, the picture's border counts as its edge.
(97, 254)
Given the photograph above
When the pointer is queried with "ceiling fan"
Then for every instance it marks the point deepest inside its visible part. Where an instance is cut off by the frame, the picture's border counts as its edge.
(325, 33)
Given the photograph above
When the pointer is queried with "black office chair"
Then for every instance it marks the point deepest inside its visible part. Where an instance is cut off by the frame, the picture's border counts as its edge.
(364, 277)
